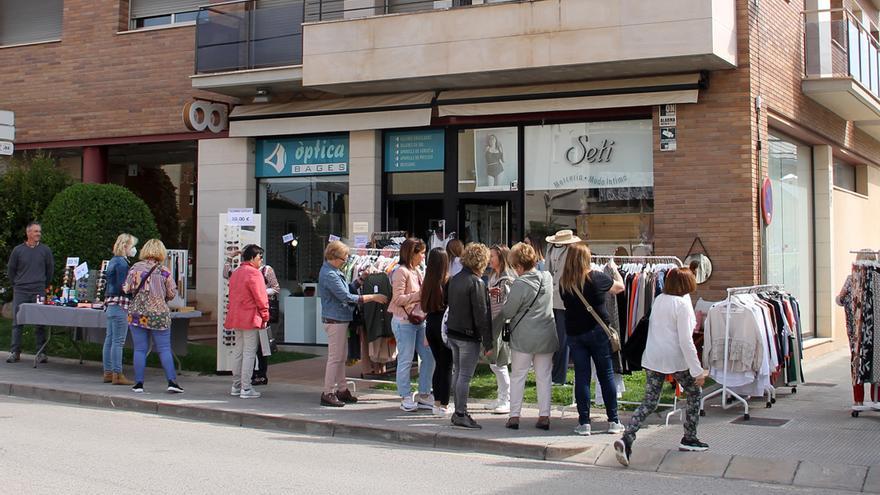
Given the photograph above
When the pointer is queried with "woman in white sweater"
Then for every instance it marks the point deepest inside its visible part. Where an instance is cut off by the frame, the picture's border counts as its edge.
(670, 350)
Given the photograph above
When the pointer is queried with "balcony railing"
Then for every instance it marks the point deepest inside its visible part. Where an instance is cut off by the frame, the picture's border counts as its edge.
(242, 35)
(325, 10)
(838, 45)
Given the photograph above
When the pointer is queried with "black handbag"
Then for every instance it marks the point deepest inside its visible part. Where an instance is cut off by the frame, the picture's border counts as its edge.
(274, 310)
(507, 329)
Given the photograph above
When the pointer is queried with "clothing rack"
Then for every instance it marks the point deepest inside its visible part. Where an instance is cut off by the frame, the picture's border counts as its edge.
(640, 259)
(724, 391)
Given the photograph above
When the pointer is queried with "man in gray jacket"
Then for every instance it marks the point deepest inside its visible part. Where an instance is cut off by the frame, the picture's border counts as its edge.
(30, 269)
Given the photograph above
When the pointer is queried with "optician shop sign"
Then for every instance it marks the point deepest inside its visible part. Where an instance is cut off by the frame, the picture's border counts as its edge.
(414, 151)
(302, 156)
(591, 155)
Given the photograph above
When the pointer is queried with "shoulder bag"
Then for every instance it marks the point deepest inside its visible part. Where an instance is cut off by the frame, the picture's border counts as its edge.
(412, 317)
(507, 330)
(274, 304)
(613, 338)
(150, 313)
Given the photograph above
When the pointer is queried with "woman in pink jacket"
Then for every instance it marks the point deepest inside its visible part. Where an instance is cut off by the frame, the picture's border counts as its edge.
(247, 313)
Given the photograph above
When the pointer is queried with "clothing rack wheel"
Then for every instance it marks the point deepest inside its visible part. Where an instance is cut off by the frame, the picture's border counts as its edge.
(702, 412)
(773, 400)
(794, 390)
(769, 404)
(855, 414)
(746, 417)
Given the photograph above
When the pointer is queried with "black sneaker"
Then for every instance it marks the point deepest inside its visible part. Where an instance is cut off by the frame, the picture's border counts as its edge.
(692, 445)
(138, 388)
(623, 450)
(465, 421)
(174, 388)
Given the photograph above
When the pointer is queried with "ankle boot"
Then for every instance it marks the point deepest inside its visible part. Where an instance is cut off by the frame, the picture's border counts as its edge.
(120, 379)
(346, 397)
(543, 423)
(108, 376)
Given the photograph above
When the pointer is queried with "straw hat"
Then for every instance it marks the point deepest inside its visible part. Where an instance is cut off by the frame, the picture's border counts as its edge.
(563, 237)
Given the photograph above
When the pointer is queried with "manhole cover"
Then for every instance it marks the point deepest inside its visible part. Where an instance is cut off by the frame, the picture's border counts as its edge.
(819, 384)
(760, 421)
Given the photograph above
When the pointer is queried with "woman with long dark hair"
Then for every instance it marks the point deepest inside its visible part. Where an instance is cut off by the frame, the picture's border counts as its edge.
(587, 339)
(434, 305)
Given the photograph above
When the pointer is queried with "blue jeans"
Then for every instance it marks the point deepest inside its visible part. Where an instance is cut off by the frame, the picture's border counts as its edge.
(410, 339)
(117, 329)
(162, 345)
(560, 357)
(593, 345)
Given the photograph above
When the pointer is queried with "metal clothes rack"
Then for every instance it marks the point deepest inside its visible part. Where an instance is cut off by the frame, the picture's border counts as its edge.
(640, 259)
(724, 391)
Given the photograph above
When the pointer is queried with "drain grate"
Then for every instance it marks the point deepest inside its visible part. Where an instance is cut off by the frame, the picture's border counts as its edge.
(760, 422)
(819, 384)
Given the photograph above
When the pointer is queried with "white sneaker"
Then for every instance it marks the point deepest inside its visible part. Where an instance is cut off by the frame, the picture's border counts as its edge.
(425, 401)
(408, 404)
(583, 430)
(501, 408)
(249, 393)
(235, 391)
(441, 411)
(492, 405)
(615, 428)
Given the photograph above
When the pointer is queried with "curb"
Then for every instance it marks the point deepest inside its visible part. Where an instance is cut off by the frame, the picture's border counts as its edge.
(653, 460)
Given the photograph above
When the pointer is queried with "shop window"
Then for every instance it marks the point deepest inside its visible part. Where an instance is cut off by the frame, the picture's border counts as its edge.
(310, 208)
(789, 237)
(415, 183)
(594, 178)
(850, 177)
(488, 159)
(30, 22)
(153, 13)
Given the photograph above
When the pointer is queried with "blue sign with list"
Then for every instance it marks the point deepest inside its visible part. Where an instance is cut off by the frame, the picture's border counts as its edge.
(305, 156)
(414, 151)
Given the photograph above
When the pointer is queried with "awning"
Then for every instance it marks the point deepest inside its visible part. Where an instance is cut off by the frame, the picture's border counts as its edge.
(332, 115)
(636, 92)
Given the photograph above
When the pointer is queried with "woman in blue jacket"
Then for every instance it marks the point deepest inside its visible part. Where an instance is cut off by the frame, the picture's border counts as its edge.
(116, 303)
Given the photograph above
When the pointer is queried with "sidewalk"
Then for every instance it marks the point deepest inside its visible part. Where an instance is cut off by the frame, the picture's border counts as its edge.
(816, 443)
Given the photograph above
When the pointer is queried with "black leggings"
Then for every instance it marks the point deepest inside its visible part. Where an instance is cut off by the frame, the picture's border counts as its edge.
(442, 357)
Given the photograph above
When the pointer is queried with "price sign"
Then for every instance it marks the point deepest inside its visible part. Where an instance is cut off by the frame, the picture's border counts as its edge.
(287, 238)
(72, 261)
(332, 238)
(240, 216)
(81, 271)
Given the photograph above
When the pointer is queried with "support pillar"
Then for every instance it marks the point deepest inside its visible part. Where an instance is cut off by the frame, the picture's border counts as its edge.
(94, 167)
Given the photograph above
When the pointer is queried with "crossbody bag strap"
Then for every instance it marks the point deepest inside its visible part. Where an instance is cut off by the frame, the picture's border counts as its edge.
(590, 309)
(537, 293)
(144, 280)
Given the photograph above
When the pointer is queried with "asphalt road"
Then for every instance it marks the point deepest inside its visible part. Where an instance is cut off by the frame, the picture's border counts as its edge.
(52, 448)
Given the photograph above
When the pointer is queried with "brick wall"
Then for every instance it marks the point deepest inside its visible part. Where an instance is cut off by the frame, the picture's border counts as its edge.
(96, 82)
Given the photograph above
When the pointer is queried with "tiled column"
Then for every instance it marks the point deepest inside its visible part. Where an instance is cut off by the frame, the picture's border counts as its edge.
(365, 181)
(823, 178)
(225, 180)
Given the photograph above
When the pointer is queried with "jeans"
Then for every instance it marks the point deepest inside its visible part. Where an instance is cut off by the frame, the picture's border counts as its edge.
(653, 386)
(162, 346)
(520, 363)
(410, 339)
(117, 329)
(442, 358)
(593, 345)
(465, 355)
(243, 355)
(560, 357)
(19, 297)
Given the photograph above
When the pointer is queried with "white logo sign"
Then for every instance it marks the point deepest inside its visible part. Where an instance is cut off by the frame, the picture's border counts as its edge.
(592, 155)
(203, 115)
(278, 158)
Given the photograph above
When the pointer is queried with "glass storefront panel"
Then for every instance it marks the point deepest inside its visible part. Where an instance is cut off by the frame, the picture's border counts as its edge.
(415, 183)
(594, 178)
(488, 159)
(789, 241)
(310, 208)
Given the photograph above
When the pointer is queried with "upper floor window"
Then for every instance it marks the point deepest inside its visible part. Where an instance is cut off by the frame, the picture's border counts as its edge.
(32, 21)
(851, 177)
(152, 13)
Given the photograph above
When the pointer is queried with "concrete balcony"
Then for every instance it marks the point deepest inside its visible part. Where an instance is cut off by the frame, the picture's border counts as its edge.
(513, 43)
(842, 67)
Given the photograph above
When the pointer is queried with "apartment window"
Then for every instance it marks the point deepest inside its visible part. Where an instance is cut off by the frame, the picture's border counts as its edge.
(152, 13)
(850, 177)
(30, 22)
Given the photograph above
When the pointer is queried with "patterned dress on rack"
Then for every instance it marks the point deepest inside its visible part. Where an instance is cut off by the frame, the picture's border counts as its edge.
(866, 352)
(875, 289)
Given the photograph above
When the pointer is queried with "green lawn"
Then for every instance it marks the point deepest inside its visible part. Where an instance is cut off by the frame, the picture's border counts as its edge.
(200, 358)
(483, 386)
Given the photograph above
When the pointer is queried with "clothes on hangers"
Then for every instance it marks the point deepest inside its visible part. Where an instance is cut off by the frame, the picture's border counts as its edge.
(859, 299)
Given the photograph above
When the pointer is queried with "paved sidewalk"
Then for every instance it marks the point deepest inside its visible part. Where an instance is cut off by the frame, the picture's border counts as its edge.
(818, 443)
